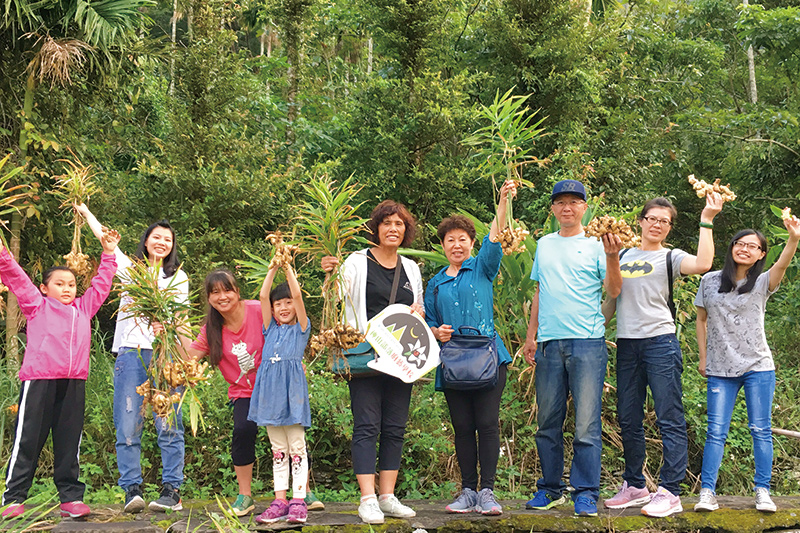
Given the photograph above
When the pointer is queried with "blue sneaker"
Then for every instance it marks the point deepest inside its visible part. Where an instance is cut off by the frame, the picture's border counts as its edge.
(542, 501)
(585, 506)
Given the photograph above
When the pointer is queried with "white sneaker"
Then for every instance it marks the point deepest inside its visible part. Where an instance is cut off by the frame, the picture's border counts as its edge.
(369, 512)
(391, 506)
(708, 501)
(763, 501)
(663, 503)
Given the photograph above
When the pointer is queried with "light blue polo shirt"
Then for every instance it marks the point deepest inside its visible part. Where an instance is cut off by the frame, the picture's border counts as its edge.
(570, 272)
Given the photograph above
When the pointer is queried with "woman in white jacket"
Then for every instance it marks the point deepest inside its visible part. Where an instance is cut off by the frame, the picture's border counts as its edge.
(379, 402)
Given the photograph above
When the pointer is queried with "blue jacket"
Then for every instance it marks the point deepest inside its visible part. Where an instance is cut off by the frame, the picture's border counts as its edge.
(468, 298)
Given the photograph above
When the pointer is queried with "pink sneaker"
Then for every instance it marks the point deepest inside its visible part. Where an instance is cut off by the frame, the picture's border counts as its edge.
(13, 511)
(662, 503)
(628, 497)
(298, 512)
(75, 509)
(278, 510)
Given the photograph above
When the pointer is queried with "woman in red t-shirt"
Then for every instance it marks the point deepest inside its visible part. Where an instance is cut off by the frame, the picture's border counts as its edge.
(232, 340)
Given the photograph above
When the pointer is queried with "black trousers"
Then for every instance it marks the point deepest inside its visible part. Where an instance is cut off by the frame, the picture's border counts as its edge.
(47, 405)
(380, 407)
(471, 412)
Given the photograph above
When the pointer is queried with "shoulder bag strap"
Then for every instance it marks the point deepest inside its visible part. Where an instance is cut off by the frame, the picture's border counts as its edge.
(396, 282)
(670, 281)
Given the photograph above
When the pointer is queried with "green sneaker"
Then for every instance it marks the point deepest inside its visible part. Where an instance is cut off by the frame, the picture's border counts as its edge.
(243, 505)
(312, 503)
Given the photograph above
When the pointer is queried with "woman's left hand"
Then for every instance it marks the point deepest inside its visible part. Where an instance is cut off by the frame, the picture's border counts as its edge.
(417, 308)
(792, 225)
(509, 188)
(713, 207)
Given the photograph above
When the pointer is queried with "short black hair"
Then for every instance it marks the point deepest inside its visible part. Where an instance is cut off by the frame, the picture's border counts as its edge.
(279, 293)
(49, 273)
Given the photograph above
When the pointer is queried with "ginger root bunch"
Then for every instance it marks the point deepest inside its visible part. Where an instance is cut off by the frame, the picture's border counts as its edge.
(786, 213)
(284, 253)
(599, 226)
(513, 239)
(701, 187)
(180, 372)
(161, 401)
(340, 337)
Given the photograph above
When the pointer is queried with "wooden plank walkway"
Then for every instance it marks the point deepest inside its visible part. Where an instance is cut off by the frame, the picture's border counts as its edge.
(736, 514)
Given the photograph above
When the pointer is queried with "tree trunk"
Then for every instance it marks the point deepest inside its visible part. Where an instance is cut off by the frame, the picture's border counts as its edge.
(173, 36)
(13, 315)
(752, 89)
(369, 55)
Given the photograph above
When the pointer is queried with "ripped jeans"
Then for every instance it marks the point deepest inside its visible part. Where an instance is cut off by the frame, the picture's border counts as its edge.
(130, 371)
(759, 388)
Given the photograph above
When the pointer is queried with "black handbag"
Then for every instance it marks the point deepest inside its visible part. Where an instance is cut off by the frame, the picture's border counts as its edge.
(469, 360)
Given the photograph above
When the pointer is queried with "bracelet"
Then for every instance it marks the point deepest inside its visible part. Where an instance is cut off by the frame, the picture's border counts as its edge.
(708, 225)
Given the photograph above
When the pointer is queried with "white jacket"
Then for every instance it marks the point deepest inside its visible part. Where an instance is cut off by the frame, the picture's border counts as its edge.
(354, 283)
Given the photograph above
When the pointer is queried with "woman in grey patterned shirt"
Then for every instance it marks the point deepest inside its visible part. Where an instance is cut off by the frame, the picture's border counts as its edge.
(734, 354)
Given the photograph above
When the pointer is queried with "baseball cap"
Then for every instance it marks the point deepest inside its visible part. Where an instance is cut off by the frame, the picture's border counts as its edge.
(569, 187)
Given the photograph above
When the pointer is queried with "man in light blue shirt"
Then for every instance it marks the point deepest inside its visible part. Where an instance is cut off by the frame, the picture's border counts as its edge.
(566, 342)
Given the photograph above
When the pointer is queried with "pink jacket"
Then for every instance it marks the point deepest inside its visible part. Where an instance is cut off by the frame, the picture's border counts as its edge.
(59, 336)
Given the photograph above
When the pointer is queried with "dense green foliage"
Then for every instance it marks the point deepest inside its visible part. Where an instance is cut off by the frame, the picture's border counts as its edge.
(219, 138)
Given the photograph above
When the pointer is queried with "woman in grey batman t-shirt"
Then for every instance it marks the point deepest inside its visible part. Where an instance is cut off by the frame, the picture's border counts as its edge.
(649, 355)
(734, 354)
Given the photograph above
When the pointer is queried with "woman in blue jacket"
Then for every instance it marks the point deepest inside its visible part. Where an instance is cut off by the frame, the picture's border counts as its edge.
(461, 294)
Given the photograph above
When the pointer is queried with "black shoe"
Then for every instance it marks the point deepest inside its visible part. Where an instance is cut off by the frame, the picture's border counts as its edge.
(134, 502)
(170, 499)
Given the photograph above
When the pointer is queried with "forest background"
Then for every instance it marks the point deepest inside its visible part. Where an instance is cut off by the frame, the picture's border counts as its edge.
(213, 114)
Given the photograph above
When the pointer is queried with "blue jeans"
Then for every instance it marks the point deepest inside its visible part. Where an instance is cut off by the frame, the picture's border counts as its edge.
(656, 362)
(759, 388)
(577, 367)
(130, 371)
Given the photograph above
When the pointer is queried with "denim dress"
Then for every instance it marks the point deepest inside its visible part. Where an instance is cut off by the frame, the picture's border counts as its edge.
(280, 395)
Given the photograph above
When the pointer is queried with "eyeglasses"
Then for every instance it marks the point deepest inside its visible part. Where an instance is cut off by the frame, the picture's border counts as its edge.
(571, 203)
(655, 220)
(749, 245)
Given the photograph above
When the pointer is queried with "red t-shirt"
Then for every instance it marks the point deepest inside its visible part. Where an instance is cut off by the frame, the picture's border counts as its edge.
(241, 351)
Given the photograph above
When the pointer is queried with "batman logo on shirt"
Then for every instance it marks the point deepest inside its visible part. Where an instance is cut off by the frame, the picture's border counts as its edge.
(635, 269)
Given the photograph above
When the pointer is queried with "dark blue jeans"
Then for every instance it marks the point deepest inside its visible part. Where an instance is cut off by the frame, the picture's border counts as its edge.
(566, 367)
(655, 362)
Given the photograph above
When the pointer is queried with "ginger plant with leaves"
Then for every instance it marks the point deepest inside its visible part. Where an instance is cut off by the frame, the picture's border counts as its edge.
(76, 186)
(12, 199)
(171, 376)
(328, 223)
(504, 146)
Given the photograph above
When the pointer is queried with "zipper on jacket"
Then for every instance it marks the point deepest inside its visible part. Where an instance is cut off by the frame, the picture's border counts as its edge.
(71, 339)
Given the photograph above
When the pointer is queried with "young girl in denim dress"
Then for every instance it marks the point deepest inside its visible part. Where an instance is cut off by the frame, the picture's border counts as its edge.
(280, 395)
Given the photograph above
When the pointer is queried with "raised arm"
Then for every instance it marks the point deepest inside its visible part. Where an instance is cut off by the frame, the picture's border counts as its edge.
(263, 296)
(613, 280)
(701, 263)
(778, 270)
(94, 297)
(297, 297)
(499, 223)
(29, 297)
(91, 221)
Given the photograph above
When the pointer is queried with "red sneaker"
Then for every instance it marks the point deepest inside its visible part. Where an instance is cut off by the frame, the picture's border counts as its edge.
(75, 510)
(13, 511)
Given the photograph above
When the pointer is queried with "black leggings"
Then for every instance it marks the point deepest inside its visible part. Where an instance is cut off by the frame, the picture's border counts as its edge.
(472, 411)
(243, 447)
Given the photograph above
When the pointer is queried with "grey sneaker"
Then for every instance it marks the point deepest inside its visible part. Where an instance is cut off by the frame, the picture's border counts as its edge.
(487, 504)
(708, 501)
(764, 502)
(465, 503)
(391, 506)
(134, 502)
(170, 499)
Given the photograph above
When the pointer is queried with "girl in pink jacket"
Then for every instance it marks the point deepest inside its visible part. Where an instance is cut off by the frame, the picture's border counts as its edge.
(53, 375)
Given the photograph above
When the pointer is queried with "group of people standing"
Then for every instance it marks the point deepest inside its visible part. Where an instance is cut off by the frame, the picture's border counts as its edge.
(258, 347)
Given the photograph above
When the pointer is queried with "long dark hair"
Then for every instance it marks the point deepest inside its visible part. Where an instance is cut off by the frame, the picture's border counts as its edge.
(170, 263)
(220, 278)
(728, 281)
